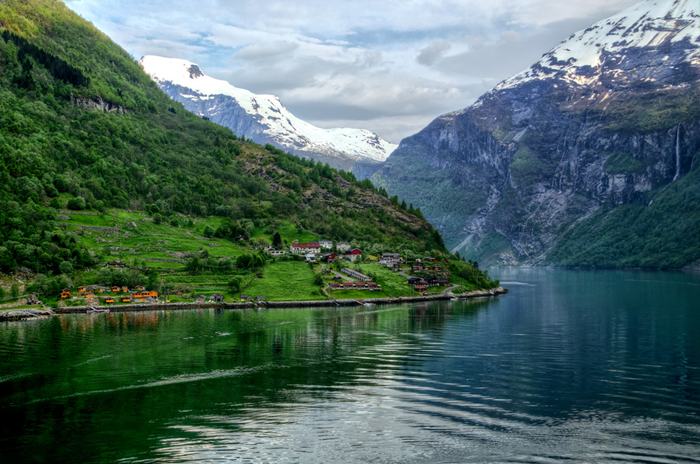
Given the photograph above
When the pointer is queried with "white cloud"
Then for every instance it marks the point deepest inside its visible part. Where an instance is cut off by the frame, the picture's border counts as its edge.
(390, 65)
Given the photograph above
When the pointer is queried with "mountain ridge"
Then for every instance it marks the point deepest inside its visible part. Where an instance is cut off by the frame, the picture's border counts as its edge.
(536, 165)
(263, 118)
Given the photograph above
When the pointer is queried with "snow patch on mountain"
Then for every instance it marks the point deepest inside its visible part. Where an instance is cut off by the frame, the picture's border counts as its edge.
(279, 124)
(650, 23)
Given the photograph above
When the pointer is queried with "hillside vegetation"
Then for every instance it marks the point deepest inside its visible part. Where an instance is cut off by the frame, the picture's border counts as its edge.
(105, 180)
(84, 128)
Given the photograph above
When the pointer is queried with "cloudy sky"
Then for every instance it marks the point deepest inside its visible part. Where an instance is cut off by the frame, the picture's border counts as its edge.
(386, 65)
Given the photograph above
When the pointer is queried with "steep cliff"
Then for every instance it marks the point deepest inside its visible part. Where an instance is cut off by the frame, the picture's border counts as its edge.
(589, 157)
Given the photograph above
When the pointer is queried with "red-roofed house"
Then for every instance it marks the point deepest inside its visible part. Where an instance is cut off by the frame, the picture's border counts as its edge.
(353, 255)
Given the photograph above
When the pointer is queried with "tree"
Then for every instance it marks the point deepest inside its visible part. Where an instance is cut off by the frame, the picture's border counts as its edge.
(14, 291)
(194, 266)
(48, 286)
(235, 284)
(277, 240)
(76, 203)
(66, 267)
(2, 294)
(250, 262)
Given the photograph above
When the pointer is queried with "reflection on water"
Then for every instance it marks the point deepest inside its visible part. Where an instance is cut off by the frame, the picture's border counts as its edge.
(576, 366)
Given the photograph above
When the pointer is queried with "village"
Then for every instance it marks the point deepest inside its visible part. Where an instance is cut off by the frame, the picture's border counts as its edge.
(97, 295)
(342, 270)
(337, 259)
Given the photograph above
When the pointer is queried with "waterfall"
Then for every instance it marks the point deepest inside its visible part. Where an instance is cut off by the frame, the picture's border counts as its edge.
(678, 153)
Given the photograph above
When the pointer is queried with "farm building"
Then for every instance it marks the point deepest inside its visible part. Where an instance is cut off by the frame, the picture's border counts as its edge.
(370, 286)
(305, 248)
(353, 255)
(356, 275)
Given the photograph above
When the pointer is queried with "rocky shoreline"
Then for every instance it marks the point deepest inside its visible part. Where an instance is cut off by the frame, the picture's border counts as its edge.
(26, 314)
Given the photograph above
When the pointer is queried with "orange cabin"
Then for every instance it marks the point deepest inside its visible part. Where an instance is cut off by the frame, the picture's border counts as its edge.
(110, 301)
(82, 290)
(125, 289)
(65, 294)
(149, 294)
(115, 289)
(126, 300)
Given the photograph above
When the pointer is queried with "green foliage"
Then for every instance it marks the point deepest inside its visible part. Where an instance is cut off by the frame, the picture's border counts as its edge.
(66, 267)
(528, 167)
(277, 240)
(122, 277)
(468, 274)
(235, 230)
(661, 110)
(81, 123)
(235, 284)
(14, 291)
(49, 286)
(662, 233)
(623, 163)
(76, 204)
(250, 262)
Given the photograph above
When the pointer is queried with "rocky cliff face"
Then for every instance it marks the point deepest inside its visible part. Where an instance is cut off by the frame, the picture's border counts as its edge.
(540, 168)
(264, 119)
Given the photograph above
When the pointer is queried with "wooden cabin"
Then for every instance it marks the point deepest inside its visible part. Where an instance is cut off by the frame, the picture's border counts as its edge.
(65, 294)
(126, 299)
(110, 301)
(146, 294)
(116, 289)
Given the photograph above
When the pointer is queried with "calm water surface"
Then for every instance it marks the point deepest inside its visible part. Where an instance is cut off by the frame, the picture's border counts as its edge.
(569, 367)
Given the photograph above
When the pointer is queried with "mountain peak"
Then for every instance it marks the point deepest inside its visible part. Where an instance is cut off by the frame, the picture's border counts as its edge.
(195, 72)
(650, 24)
(264, 118)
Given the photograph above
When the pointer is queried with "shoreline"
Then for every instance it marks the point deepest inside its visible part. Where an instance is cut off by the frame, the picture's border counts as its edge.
(27, 314)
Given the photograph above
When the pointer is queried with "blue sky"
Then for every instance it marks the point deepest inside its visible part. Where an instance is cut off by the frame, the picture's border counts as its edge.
(390, 66)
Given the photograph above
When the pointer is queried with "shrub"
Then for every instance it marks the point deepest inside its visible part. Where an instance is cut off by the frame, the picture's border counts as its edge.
(76, 204)
(66, 267)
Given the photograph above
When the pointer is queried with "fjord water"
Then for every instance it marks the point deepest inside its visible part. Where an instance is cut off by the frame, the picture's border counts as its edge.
(570, 366)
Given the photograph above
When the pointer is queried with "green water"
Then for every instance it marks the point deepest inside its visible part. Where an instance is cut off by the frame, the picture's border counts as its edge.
(570, 366)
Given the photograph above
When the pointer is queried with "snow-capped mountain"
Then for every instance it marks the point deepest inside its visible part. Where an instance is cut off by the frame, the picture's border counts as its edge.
(600, 52)
(263, 118)
(591, 156)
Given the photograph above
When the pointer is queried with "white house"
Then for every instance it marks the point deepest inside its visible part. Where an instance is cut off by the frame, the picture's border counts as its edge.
(343, 247)
(305, 248)
(275, 253)
(391, 260)
(326, 244)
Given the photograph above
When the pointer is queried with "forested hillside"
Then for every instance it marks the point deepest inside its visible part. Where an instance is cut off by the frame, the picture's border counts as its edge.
(82, 127)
